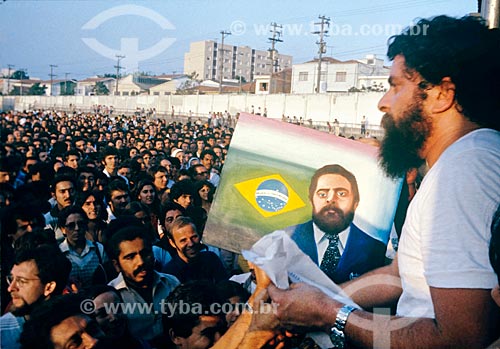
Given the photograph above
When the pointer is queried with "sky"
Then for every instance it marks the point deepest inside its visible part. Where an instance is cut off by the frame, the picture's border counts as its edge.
(82, 38)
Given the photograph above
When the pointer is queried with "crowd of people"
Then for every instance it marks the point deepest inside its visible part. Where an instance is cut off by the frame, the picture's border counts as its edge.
(102, 220)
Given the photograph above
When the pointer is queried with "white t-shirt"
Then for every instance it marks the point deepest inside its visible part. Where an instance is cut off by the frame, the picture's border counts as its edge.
(446, 235)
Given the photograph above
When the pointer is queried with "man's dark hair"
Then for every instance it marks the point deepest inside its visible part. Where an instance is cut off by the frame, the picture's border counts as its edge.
(200, 293)
(70, 152)
(125, 164)
(37, 237)
(155, 169)
(127, 234)
(66, 171)
(338, 170)
(227, 289)
(192, 170)
(170, 206)
(62, 178)
(45, 170)
(67, 211)
(86, 169)
(116, 184)
(107, 151)
(494, 251)
(77, 139)
(21, 211)
(37, 330)
(185, 186)
(208, 151)
(52, 264)
(59, 148)
(464, 50)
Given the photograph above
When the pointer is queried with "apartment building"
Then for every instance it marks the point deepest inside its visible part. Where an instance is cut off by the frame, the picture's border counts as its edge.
(207, 58)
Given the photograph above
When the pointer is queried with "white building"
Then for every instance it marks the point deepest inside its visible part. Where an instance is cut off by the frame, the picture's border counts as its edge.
(170, 86)
(340, 76)
(203, 58)
(132, 85)
(86, 87)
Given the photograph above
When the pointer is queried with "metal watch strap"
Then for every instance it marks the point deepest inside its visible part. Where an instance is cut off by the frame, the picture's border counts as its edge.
(337, 335)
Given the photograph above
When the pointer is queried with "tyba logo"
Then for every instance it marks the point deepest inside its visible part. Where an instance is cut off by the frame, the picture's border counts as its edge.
(129, 47)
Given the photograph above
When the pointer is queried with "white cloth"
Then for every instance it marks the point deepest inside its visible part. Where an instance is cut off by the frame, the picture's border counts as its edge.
(446, 235)
(214, 179)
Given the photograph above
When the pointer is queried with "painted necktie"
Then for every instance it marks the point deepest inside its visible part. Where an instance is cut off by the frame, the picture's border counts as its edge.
(332, 255)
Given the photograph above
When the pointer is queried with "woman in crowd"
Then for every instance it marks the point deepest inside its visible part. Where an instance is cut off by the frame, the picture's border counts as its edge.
(204, 194)
(92, 204)
(145, 193)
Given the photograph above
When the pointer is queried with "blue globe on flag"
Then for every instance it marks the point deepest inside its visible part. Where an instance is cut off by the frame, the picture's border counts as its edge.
(271, 195)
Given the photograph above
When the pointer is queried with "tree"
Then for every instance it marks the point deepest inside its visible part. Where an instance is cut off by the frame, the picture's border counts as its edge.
(243, 80)
(19, 75)
(100, 89)
(108, 76)
(192, 81)
(37, 90)
(16, 91)
(67, 88)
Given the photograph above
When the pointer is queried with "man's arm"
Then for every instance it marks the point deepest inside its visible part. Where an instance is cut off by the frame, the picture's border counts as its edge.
(464, 318)
(379, 287)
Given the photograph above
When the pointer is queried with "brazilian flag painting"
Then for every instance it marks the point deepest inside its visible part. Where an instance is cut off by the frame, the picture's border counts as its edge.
(265, 181)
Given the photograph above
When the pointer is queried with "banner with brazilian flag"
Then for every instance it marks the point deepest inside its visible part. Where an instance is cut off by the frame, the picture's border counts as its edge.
(265, 181)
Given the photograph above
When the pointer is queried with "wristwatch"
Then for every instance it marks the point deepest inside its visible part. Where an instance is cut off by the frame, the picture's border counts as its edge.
(337, 335)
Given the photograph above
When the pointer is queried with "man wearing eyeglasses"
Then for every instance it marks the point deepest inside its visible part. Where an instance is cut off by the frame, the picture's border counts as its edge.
(84, 255)
(37, 275)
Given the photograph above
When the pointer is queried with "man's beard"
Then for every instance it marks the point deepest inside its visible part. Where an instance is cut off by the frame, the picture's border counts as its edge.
(329, 226)
(26, 308)
(403, 140)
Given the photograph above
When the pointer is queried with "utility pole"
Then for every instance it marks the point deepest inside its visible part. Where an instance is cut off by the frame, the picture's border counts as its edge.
(10, 66)
(52, 76)
(66, 83)
(118, 67)
(23, 72)
(272, 51)
(221, 58)
(325, 22)
(490, 10)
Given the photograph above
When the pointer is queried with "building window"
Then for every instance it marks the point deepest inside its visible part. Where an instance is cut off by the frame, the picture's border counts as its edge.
(263, 86)
(341, 76)
(125, 93)
(156, 93)
(303, 76)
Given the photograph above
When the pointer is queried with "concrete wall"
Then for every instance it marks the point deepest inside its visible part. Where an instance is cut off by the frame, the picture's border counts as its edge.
(346, 107)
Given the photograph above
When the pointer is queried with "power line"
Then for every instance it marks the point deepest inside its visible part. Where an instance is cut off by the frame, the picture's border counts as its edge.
(52, 76)
(118, 67)
(10, 66)
(276, 38)
(221, 58)
(325, 22)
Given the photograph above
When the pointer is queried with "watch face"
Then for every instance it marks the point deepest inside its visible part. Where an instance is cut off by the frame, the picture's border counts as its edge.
(337, 338)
